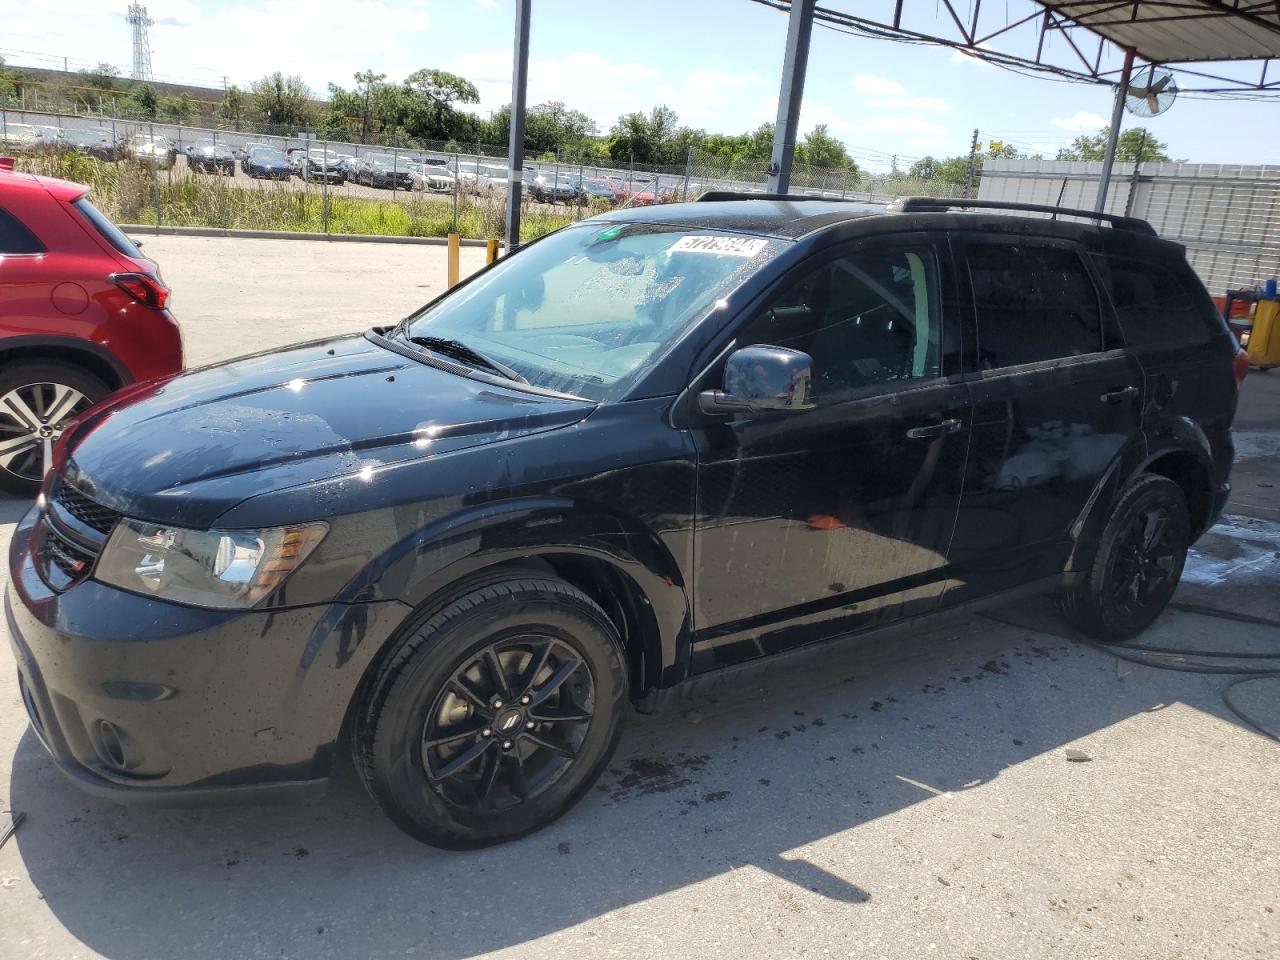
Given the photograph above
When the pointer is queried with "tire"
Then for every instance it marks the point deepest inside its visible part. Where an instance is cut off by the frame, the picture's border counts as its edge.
(1137, 565)
(431, 706)
(28, 391)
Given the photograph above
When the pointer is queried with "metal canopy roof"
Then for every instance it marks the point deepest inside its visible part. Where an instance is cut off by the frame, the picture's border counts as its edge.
(1181, 31)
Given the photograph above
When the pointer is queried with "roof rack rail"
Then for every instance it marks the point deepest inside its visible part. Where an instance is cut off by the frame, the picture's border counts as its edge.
(929, 204)
(715, 196)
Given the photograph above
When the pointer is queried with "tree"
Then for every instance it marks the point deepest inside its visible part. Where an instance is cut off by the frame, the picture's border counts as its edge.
(653, 138)
(281, 101)
(926, 168)
(745, 151)
(1135, 145)
(369, 80)
(232, 109)
(955, 170)
(145, 99)
(179, 109)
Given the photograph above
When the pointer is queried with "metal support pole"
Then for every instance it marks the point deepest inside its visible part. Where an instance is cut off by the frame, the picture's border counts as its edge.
(515, 148)
(324, 184)
(1113, 137)
(799, 29)
(973, 165)
(688, 172)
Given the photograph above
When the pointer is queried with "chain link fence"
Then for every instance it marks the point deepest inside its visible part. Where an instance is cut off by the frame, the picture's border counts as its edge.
(148, 173)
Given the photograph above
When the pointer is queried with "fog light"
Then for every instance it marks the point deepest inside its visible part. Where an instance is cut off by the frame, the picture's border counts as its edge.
(116, 749)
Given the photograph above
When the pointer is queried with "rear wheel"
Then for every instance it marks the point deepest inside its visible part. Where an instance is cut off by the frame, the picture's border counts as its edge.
(37, 401)
(1137, 565)
(494, 715)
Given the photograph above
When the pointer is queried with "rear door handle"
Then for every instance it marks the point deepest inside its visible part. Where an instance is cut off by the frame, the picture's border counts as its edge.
(1115, 396)
(935, 430)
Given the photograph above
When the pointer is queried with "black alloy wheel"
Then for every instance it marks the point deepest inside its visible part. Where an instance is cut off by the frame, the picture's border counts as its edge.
(1137, 564)
(489, 718)
(508, 723)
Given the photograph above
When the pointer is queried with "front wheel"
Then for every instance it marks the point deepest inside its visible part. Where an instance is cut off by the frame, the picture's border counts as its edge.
(1137, 563)
(493, 716)
(37, 401)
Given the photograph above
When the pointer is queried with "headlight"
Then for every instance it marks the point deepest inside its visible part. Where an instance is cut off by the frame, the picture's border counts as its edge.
(205, 568)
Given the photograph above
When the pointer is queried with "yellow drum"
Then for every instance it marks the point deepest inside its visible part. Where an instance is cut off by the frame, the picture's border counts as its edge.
(1264, 337)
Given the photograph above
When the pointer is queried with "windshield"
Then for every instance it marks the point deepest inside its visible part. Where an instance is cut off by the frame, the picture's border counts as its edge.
(266, 154)
(589, 308)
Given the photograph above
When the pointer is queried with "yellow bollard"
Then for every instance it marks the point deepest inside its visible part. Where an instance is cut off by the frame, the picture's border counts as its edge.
(491, 251)
(455, 251)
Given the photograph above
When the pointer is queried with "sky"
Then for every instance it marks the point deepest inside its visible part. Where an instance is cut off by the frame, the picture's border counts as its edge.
(715, 62)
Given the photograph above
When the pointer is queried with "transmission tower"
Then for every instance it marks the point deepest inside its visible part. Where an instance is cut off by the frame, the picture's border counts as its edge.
(139, 20)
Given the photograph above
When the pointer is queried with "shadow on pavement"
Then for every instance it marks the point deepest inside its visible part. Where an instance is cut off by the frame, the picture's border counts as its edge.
(12, 508)
(740, 778)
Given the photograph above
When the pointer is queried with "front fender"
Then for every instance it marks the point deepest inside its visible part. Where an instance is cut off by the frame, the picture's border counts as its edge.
(427, 563)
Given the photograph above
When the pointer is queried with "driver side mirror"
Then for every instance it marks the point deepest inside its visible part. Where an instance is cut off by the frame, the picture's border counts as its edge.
(762, 379)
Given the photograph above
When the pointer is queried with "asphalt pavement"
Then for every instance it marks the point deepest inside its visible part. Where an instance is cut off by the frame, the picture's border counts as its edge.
(984, 787)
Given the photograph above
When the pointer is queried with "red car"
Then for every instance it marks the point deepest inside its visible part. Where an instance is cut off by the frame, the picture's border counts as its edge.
(82, 313)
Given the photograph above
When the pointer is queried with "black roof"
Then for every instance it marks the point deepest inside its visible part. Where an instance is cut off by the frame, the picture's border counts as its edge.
(793, 218)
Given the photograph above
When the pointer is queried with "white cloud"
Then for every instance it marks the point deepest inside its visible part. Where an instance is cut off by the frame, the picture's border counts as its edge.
(882, 93)
(871, 85)
(603, 88)
(1080, 122)
(201, 42)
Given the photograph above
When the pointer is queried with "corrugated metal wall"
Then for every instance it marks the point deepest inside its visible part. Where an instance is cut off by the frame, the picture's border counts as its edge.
(1227, 215)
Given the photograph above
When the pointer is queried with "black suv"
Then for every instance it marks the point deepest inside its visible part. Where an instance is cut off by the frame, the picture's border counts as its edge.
(647, 446)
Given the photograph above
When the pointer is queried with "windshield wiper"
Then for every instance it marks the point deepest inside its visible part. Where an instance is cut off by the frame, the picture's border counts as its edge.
(460, 351)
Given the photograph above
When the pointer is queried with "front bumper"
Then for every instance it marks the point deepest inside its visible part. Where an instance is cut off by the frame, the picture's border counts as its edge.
(142, 701)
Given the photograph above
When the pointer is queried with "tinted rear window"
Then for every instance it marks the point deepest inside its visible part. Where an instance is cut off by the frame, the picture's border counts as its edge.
(15, 238)
(1155, 304)
(1033, 303)
(113, 234)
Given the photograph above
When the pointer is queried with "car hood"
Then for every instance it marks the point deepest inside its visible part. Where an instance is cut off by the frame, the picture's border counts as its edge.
(187, 449)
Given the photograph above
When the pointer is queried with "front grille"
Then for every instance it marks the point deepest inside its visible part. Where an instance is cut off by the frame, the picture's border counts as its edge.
(73, 562)
(87, 511)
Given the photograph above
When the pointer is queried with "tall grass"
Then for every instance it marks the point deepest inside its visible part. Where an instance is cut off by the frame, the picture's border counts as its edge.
(127, 193)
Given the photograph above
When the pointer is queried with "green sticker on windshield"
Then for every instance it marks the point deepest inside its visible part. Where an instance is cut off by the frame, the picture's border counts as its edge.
(609, 234)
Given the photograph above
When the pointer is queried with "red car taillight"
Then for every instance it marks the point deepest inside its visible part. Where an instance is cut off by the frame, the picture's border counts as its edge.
(1240, 366)
(142, 287)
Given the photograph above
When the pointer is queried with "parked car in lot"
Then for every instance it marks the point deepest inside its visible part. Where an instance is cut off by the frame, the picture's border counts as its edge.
(242, 152)
(91, 142)
(27, 136)
(384, 170)
(266, 163)
(597, 190)
(319, 165)
(431, 177)
(476, 536)
(206, 156)
(549, 187)
(82, 313)
(483, 179)
(152, 150)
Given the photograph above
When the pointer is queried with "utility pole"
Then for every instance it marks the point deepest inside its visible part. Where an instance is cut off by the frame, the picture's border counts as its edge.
(515, 143)
(794, 66)
(1113, 134)
(973, 165)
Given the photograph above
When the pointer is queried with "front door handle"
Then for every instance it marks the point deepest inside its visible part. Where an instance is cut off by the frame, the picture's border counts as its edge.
(1115, 396)
(935, 430)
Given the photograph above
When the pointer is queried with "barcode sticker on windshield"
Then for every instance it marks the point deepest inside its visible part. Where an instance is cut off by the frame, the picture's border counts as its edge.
(726, 246)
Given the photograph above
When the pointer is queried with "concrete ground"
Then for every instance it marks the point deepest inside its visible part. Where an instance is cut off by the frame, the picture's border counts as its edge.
(906, 796)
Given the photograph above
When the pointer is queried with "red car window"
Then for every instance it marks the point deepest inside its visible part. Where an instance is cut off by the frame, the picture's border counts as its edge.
(15, 238)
